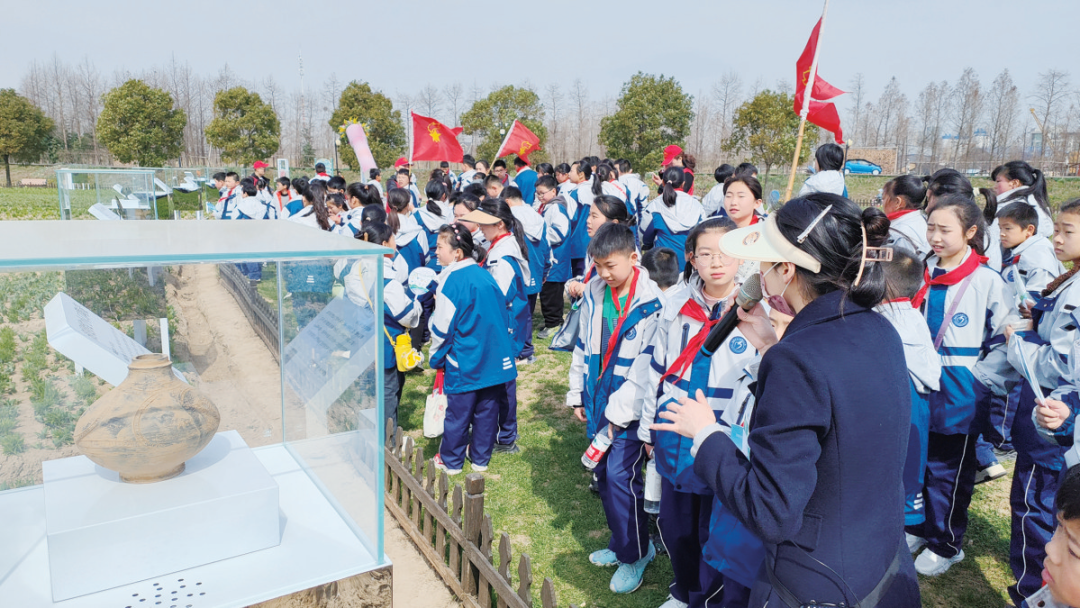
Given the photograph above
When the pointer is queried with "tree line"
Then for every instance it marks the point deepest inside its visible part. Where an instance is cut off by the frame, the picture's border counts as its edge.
(171, 114)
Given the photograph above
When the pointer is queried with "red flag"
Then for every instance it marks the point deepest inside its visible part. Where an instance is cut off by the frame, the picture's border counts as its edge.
(433, 140)
(520, 140)
(458, 131)
(824, 115)
(822, 90)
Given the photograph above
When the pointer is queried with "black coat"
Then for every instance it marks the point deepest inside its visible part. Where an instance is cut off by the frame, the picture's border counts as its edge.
(828, 443)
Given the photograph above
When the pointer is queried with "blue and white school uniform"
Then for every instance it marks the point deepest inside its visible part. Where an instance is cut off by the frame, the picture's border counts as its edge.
(400, 269)
(536, 242)
(1038, 462)
(614, 394)
(431, 224)
(306, 217)
(469, 342)
(254, 208)
(907, 231)
(713, 201)
(411, 241)
(924, 376)
(686, 500)
(1035, 263)
(732, 549)
(292, 208)
(226, 205)
(1068, 434)
(511, 272)
(401, 312)
(993, 233)
(352, 222)
(638, 192)
(974, 364)
(558, 236)
(526, 182)
(664, 226)
(618, 190)
(578, 205)
(465, 179)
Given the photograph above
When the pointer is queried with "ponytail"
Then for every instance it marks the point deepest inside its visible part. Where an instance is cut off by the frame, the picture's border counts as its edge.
(673, 179)
(498, 208)
(316, 195)
(436, 192)
(990, 210)
(1032, 179)
(376, 233)
(459, 237)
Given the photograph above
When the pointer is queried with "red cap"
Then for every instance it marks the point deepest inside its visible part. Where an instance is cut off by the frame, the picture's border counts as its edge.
(260, 165)
(401, 162)
(670, 153)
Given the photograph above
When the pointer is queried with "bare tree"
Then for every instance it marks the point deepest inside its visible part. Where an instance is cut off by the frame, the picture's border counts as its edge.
(727, 94)
(454, 95)
(579, 97)
(967, 105)
(890, 107)
(428, 100)
(858, 98)
(553, 100)
(58, 76)
(1050, 90)
(1003, 103)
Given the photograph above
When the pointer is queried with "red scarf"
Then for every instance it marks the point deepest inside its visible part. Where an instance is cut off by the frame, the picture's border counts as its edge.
(952, 277)
(613, 341)
(895, 215)
(697, 312)
(754, 219)
(899, 301)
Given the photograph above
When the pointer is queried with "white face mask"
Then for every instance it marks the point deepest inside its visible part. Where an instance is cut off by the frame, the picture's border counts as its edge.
(776, 302)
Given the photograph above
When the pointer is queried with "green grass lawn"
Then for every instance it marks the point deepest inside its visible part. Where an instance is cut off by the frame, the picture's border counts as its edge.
(540, 498)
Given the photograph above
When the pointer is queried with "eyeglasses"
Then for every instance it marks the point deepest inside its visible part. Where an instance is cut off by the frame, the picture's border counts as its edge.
(709, 257)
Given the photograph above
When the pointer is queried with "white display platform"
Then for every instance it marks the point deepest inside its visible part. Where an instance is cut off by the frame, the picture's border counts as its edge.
(104, 533)
(317, 547)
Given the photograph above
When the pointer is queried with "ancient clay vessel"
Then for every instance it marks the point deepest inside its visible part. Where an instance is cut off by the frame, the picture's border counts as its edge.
(149, 425)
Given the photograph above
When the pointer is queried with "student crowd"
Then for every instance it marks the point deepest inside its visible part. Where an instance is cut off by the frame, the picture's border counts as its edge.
(977, 296)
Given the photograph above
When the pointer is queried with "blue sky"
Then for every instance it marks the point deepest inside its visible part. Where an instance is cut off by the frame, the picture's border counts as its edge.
(403, 45)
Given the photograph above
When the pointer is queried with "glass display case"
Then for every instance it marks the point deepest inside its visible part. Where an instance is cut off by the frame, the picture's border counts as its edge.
(253, 318)
(110, 193)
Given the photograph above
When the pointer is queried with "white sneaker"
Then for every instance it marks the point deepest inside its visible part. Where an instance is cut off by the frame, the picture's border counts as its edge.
(990, 473)
(931, 564)
(914, 543)
(437, 461)
(673, 603)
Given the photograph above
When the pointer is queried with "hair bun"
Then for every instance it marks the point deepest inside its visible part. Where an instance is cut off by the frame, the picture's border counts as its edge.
(877, 225)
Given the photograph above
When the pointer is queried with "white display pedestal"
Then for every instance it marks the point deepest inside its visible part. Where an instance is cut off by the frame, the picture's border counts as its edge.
(317, 547)
(103, 533)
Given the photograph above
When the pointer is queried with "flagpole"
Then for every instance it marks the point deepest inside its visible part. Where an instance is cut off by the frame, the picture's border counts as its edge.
(412, 142)
(808, 92)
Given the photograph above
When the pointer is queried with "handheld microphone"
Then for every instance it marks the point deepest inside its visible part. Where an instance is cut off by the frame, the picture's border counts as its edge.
(748, 297)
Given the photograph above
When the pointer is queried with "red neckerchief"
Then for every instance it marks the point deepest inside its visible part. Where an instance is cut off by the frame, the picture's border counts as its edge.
(492, 248)
(899, 301)
(280, 205)
(614, 339)
(952, 277)
(895, 215)
(697, 312)
(754, 219)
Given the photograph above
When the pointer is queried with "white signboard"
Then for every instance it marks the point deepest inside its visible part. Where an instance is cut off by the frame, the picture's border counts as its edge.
(283, 167)
(90, 341)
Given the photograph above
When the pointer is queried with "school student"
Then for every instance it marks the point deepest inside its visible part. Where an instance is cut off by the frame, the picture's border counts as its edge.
(403, 181)
(553, 210)
(603, 210)
(663, 267)
(463, 204)
(1018, 182)
(967, 308)
(226, 205)
(611, 186)
(620, 313)
(713, 203)
(1038, 462)
(536, 242)
(678, 369)
(468, 174)
(1026, 256)
(1062, 565)
(493, 186)
(507, 261)
(251, 206)
(314, 213)
(410, 237)
(742, 200)
(472, 351)
(636, 189)
(498, 169)
(562, 175)
(902, 199)
(339, 213)
(829, 160)
(320, 173)
(669, 217)
(903, 278)
(298, 186)
(434, 215)
(525, 177)
(401, 311)
(373, 180)
(579, 199)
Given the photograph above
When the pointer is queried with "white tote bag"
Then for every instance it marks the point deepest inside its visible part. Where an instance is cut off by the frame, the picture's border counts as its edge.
(435, 409)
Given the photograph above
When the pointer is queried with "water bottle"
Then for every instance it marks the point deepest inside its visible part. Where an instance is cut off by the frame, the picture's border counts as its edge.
(599, 446)
(652, 488)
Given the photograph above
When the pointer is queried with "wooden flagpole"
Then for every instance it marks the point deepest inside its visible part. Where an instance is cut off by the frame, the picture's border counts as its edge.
(808, 92)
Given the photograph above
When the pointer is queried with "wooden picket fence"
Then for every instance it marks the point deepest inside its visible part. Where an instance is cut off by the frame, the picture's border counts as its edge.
(456, 536)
